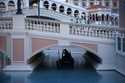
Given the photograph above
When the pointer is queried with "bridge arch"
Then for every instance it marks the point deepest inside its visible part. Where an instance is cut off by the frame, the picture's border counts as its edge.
(73, 44)
(41, 49)
(50, 59)
(84, 46)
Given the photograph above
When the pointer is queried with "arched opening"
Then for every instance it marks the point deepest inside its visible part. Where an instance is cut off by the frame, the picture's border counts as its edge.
(116, 21)
(61, 9)
(46, 4)
(76, 13)
(103, 16)
(64, 57)
(11, 5)
(54, 6)
(69, 11)
(107, 17)
(2, 6)
(96, 17)
(83, 15)
(33, 3)
(93, 17)
(83, 3)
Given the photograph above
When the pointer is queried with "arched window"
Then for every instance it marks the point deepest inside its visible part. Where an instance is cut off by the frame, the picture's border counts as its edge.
(103, 17)
(69, 11)
(33, 3)
(93, 17)
(11, 5)
(54, 6)
(46, 4)
(83, 4)
(83, 16)
(96, 17)
(61, 9)
(76, 13)
(107, 17)
(2, 6)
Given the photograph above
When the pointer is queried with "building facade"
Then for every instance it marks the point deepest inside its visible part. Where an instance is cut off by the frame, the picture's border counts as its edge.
(112, 4)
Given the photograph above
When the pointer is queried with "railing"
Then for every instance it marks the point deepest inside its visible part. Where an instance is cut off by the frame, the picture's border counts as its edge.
(88, 30)
(42, 25)
(93, 31)
(6, 23)
(120, 42)
(65, 29)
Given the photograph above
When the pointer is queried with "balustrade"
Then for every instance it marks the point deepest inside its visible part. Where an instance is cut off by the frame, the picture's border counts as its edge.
(92, 31)
(42, 25)
(6, 23)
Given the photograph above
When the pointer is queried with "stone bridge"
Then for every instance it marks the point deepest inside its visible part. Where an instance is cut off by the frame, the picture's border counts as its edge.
(23, 39)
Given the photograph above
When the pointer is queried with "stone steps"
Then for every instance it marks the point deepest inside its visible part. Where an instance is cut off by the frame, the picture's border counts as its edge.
(18, 67)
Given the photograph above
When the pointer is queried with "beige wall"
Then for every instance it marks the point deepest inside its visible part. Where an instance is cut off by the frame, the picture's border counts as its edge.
(39, 43)
(18, 50)
(92, 47)
(2, 43)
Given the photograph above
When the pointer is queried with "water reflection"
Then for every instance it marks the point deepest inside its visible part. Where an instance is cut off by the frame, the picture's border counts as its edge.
(64, 76)
(4, 78)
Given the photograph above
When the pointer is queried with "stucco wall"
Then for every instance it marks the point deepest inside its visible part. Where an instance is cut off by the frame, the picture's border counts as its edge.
(107, 53)
(18, 50)
(2, 43)
(39, 43)
(120, 64)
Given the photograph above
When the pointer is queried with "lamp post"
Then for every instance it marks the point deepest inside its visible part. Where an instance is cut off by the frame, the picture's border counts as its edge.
(38, 8)
(19, 10)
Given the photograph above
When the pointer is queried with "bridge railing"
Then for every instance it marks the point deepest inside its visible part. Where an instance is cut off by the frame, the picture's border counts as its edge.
(68, 29)
(42, 25)
(120, 42)
(6, 24)
(93, 31)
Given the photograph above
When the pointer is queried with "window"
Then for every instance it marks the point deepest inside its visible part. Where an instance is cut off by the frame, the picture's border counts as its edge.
(83, 4)
(61, 9)
(107, 4)
(67, 0)
(2, 5)
(54, 6)
(76, 13)
(91, 3)
(11, 5)
(119, 43)
(114, 4)
(76, 2)
(46, 4)
(69, 11)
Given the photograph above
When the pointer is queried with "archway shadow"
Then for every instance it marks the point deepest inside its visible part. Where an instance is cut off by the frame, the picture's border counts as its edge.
(40, 61)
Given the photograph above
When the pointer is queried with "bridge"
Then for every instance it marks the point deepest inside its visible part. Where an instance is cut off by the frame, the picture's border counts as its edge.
(23, 36)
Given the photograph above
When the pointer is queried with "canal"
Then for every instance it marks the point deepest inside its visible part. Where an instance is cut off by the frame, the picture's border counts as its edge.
(62, 76)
